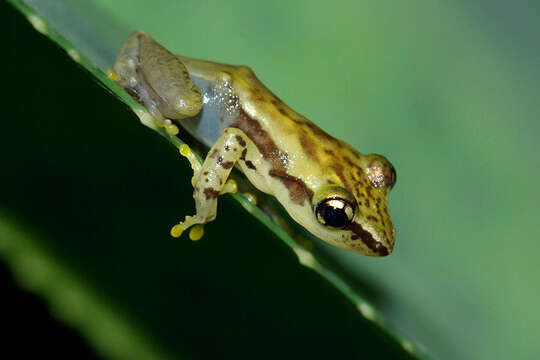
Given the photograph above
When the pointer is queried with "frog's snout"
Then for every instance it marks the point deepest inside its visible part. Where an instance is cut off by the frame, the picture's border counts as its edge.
(375, 243)
(382, 248)
(389, 248)
(388, 242)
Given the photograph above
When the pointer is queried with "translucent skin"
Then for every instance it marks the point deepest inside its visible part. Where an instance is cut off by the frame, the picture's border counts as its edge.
(282, 153)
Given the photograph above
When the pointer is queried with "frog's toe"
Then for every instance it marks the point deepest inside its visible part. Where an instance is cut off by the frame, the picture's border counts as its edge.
(111, 75)
(177, 230)
(171, 128)
(250, 197)
(167, 124)
(230, 187)
(196, 232)
(186, 152)
(193, 222)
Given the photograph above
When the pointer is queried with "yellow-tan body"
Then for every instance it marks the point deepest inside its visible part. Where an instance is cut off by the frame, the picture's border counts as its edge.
(320, 181)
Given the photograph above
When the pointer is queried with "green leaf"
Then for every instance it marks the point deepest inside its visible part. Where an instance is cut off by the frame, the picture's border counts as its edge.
(448, 91)
(83, 301)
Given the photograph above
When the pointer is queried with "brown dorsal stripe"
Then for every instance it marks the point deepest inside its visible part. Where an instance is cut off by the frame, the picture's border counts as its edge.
(262, 140)
(298, 191)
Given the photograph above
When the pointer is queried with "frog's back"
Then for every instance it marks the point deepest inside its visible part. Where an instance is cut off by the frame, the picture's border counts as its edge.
(234, 97)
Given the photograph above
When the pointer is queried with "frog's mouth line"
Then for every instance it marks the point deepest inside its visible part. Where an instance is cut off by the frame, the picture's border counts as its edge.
(367, 238)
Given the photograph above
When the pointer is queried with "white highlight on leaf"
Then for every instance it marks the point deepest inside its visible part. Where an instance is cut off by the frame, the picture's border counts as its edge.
(367, 311)
(74, 54)
(38, 24)
(407, 345)
(145, 118)
(304, 257)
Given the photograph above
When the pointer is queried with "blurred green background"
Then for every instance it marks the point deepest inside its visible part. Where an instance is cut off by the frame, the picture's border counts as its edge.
(448, 91)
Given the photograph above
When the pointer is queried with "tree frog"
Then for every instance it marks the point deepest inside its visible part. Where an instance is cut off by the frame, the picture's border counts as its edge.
(336, 193)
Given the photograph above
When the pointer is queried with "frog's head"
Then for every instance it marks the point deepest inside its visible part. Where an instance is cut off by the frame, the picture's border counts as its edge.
(354, 214)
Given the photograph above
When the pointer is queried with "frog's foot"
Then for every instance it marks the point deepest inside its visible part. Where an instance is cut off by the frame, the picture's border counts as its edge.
(196, 232)
(211, 179)
(167, 124)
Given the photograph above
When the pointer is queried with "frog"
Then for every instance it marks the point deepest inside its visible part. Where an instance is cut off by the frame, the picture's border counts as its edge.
(325, 185)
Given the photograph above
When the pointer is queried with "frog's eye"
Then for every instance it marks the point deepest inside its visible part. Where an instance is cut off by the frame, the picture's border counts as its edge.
(381, 172)
(335, 212)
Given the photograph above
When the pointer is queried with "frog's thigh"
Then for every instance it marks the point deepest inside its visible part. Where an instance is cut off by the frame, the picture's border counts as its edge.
(209, 181)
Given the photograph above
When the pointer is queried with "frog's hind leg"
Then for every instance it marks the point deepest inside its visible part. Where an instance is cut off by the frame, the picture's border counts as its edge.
(157, 79)
(210, 180)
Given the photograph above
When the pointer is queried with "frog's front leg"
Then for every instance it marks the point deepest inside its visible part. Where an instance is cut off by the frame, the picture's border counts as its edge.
(210, 180)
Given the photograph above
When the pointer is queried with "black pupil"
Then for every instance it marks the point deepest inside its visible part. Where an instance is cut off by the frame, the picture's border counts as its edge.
(333, 216)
